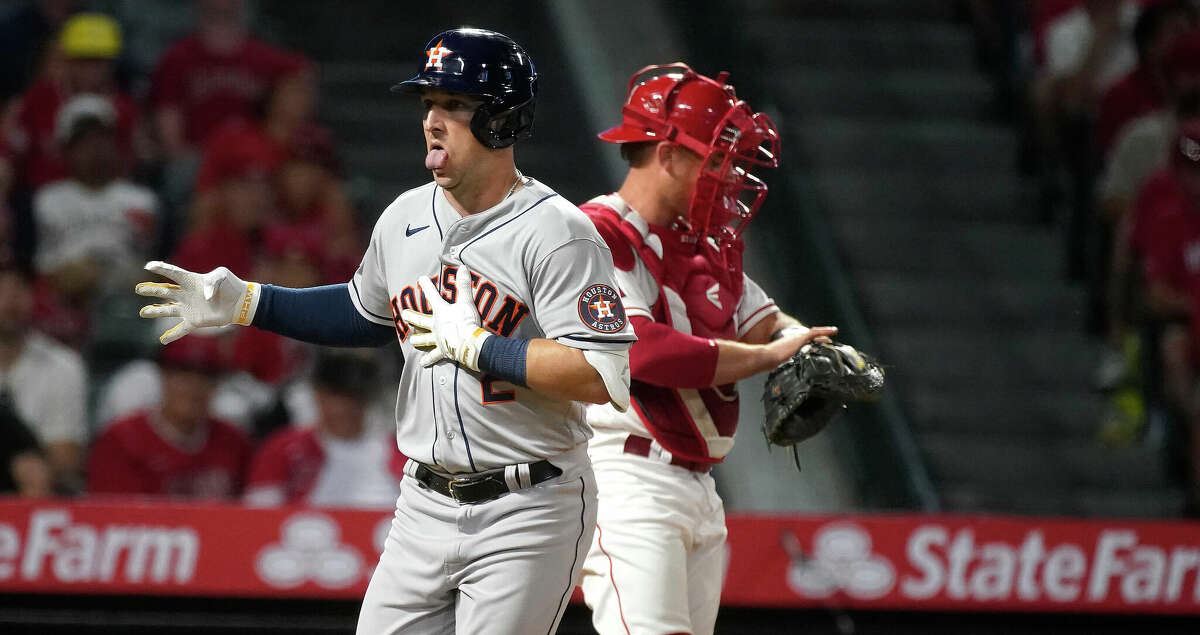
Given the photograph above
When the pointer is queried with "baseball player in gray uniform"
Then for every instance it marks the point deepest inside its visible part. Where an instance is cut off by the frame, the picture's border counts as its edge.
(504, 299)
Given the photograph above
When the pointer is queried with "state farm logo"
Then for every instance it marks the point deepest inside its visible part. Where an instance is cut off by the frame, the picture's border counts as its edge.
(310, 549)
(58, 547)
(841, 560)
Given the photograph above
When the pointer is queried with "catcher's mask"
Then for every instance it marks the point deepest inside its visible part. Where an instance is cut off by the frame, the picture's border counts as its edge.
(674, 103)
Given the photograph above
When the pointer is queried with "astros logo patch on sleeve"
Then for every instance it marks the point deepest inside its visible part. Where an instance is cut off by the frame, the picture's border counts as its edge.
(601, 310)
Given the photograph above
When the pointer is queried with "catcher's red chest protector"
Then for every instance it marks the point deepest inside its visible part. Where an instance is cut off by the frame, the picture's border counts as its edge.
(699, 290)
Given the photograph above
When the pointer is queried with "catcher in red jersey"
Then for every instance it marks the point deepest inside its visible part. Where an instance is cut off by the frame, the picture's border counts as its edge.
(674, 228)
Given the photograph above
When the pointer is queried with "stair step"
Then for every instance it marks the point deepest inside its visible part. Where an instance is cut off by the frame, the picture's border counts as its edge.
(906, 299)
(1052, 501)
(991, 250)
(1073, 414)
(979, 360)
(911, 94)
(858, 44)
(938, 149)
(1031, 463)
(901, 193)
(1157, 502)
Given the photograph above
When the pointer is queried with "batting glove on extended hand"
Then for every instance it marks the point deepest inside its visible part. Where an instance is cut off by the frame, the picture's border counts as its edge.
(215, 298)
(453, 331)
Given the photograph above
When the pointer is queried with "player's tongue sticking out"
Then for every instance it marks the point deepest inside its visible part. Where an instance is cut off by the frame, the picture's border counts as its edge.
(435, 159)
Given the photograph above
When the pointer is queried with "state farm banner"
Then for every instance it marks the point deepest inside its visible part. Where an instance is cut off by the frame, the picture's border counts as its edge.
(161, 549)
(911, 562)
(961, 562)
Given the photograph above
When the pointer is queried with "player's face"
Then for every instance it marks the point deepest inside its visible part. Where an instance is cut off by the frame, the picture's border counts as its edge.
(450, 146)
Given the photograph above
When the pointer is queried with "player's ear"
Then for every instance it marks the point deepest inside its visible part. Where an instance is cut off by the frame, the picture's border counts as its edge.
(666, 154)
(678, 162)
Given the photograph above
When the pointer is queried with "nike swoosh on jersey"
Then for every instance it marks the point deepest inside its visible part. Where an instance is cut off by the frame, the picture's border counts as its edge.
(409, 231)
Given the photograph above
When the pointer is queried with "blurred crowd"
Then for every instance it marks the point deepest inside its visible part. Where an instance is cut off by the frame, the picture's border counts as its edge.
(123, 140)
(1108, 95)
(204, 151)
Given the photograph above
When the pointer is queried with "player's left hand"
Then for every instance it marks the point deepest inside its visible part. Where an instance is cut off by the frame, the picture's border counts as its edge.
(453, 331)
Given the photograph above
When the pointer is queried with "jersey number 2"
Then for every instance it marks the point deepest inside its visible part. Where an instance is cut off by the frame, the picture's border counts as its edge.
(491, 395)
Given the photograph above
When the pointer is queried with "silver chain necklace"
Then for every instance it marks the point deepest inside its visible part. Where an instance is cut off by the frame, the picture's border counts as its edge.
(520, 178)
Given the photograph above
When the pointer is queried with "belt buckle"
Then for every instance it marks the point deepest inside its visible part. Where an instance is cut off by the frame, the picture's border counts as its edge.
(460, 489)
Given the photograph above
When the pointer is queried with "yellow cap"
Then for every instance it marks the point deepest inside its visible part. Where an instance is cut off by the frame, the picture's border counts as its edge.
(90, 35)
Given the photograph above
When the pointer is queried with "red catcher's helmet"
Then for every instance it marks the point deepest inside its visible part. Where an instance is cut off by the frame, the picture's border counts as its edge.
(674, 103)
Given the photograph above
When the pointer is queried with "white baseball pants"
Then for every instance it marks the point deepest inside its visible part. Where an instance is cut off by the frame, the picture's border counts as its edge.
(508, 565)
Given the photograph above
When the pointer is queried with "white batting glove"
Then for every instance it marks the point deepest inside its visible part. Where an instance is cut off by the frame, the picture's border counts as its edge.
(453, 331)
(215, 298)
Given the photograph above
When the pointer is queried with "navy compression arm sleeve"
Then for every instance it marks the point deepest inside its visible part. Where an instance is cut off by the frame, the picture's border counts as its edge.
(320, 315)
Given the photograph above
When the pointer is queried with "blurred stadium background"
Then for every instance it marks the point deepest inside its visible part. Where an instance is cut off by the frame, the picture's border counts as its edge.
(975, 190)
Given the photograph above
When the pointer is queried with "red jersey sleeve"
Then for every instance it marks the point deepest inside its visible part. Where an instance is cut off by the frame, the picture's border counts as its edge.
(663, 356)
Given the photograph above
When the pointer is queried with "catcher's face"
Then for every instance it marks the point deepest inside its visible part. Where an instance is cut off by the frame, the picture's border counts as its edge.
(452, 150)
(679, 170)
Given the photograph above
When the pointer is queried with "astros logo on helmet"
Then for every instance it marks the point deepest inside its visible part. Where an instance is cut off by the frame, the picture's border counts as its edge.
(435, 55)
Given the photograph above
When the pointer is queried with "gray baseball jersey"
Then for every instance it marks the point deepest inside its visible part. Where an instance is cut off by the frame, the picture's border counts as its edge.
(539, 270)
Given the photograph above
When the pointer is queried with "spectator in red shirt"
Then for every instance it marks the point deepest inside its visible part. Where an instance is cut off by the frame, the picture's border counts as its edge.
(177, 450)
(216, 74)
(1168, 228)
(1172, 242)
(311, 197)
(292, 257)
(284, 125)
(1144, 88)
(240, 201)
(1140, 151)
(338, 463)
(90, 44)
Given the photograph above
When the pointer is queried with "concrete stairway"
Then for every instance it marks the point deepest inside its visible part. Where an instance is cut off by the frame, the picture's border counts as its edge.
(889, 124)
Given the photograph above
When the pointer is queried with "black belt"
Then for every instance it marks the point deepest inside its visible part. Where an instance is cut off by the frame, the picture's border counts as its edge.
(477, 488)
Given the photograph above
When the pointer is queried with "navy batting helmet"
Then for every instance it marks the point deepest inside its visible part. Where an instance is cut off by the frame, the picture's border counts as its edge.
(484, 64)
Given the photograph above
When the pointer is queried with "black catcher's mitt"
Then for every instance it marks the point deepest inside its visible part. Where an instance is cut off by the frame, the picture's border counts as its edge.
(807, 391)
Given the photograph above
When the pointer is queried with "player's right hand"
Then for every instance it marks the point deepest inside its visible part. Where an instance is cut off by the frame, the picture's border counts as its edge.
(216, 298)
